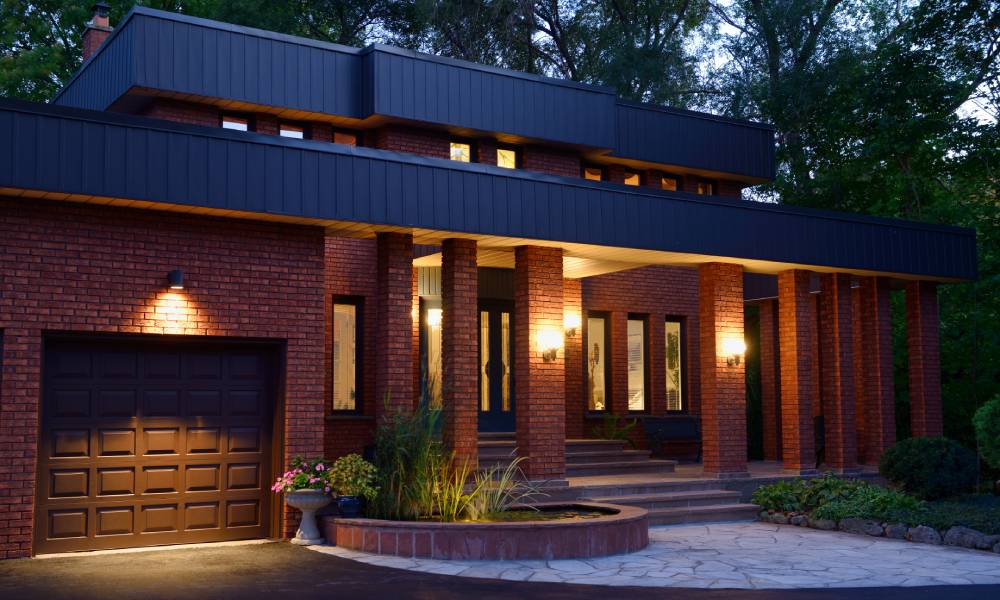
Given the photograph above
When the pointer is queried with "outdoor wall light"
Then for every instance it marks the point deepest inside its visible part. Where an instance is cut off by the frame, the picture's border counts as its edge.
(571, 322)
(434, 317)
(550, 341)
(176, 279)
(733, 349)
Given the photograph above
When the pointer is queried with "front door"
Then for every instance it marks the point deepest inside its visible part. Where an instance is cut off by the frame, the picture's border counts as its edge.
(496, 366)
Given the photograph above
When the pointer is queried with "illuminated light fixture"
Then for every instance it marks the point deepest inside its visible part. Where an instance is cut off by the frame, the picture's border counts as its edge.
(176, 279)
(434, 317)
(550, 341)
(571, 322)
(733, 349)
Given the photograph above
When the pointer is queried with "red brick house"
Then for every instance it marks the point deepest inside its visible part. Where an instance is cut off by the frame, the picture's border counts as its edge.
(221, 247)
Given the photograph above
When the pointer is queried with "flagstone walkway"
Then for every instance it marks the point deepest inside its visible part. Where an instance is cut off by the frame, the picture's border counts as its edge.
(736, 555)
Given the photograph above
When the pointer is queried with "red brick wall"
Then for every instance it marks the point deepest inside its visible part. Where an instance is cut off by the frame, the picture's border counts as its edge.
(723, 387)
(541, 411)
(426, 142)
(769, 388)
(797, 335)
(551, 161)
(875, 368)
(183, 112)
(94, 35)
(349, 271)
(922, 342)
(837, 378)
(575, 395)
(395, 380)
(78, 268)
(459, 345)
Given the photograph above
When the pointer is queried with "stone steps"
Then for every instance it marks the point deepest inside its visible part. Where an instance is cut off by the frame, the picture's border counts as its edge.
(703, 514)
(619, 467)
(675, 502)
(674, 499)
(584, 457)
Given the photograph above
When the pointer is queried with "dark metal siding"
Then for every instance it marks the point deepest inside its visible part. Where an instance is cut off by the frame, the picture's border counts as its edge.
(81, 152)
(108, 75)
(688, 139)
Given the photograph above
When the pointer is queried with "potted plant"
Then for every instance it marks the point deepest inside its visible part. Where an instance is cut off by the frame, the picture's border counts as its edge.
(352, 478)
(306, 487)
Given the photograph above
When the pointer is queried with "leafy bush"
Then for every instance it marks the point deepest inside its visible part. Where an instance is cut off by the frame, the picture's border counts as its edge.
(408, 460)
(498, 489)
(352, 475)
(930, 468)
(826, 489)
(987, 423)
(867, 501)
(785, 495)
(981, 513)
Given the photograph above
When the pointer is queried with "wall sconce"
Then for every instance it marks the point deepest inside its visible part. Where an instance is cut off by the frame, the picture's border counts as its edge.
(550, 341)
(434, 317)
(571, 322)
(733, 349)
(176, 279)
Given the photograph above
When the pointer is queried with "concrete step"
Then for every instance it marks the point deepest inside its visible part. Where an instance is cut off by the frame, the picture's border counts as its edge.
(674, 499)
(620, 467)
(703, 514)
(596, 486)
(577, 458)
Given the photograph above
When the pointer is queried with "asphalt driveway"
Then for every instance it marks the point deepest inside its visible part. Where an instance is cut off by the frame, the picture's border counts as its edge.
(282, 570)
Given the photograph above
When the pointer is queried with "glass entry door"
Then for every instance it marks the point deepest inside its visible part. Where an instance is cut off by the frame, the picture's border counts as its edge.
(496, 366)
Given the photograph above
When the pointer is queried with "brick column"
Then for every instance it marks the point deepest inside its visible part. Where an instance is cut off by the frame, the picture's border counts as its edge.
(837, 377)
(878, 397)
(618, 353)
(540, 385)
(922, 342)
(723, 386)
(576, 403)
(769, 388)
(796, 336)
(459, 348)
(394, 323)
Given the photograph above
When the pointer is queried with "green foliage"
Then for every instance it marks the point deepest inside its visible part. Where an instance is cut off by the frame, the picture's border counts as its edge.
(499, 488)
(784, 496)
(408, 460)
(867, 501)
(304, 474)
(352, 475)
(614, 427)
(930, 468)
(981, 513)
(987, 424)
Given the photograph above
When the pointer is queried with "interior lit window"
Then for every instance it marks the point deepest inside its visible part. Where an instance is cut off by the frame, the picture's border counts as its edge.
(706, 188)
(345, 137)
(507, 158)
(632, 178)
(668, 183)
(461, 152)
(292, 131)
(597, 363)
(673, 363)
(433, 373)
(593, 173)
(345, 356)
(236, 123)
(636, 364)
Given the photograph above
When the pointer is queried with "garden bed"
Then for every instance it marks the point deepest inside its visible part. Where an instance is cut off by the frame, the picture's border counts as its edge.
(584, 531)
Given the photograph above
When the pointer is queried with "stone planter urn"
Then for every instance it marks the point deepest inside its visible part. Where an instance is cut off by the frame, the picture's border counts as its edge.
(307, 501)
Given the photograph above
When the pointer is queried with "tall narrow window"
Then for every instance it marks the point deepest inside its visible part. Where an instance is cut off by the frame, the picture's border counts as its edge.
(290, 130)
(632, 178)
(636, 364)
(596, 343)
(461, 152)
(706, 188)
(593, 173)
(236, 122)
(432, 347)
(668, 182)
(672, 337)
(507, 158)
(484, 360)
(346, 325)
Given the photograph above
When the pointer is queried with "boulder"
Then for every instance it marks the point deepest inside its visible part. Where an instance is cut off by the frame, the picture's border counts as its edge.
(988, 542)
(965, 537)
(825, 524)
(764, 516)
(997, 548)
(779, 518)
(799, 520)
(861, 526)
(924, 535)
(896, 531)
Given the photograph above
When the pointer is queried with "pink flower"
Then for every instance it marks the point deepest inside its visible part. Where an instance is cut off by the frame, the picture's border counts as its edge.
(320, 467)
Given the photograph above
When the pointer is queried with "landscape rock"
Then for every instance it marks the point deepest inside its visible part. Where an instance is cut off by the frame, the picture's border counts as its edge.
(825, 524)
(799, 520)
(896, 531)
(764, 516)
(965, 537)
(924, 535)
(996, 548)
(861, 526)
(988, 542)
(779, 518)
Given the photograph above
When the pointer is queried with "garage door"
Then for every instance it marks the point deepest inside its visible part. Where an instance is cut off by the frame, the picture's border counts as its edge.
(153, 442)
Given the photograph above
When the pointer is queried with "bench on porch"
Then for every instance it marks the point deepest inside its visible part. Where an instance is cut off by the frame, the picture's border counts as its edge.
(674, 436)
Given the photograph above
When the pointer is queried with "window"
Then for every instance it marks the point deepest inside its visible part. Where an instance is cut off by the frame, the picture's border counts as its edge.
(636, 364)
(706, 188)
(289, 130)
(669, 182)
(461, 151)
(433, 373)
(345, 137)
(236, 123)
(674, 374)
(346, 347)
(593, 173)
(632, 178)
(596, 343)
(507, 158)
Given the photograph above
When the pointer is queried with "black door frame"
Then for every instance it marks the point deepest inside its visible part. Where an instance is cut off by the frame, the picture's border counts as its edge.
(496, 420)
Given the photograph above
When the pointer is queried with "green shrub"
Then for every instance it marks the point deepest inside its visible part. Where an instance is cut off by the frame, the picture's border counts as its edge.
(976, 512)
(930, 468)
(828, 488)
(987, 423)
(785, 495)
(867, 501)
(352, 475)
(408, 459)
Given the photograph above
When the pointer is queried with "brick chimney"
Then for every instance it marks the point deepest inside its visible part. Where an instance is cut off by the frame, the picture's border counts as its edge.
(98, 30)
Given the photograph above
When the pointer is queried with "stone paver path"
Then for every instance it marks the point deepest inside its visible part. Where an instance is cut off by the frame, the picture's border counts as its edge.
(736, 555)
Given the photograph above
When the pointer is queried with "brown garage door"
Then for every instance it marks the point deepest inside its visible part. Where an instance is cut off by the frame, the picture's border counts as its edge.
(153, 442)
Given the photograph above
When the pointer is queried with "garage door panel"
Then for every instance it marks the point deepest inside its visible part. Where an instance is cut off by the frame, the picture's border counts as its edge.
(153, 442)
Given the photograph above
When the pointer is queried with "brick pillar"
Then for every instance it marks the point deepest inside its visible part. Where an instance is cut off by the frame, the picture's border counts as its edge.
(459, 348)
(769, 388)
(541, 410)
(576, 403)
(618, 353)
(723, 386)
(836, 331)
(878, 397)
(922, 342)
(394, 323)
(796, 336)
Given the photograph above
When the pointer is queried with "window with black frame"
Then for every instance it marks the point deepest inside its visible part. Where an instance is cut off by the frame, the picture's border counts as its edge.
(673, 353)
(636, 333)
(346, 360)
(596, 361)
